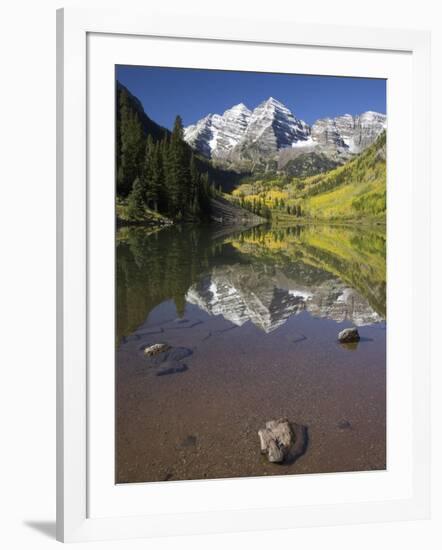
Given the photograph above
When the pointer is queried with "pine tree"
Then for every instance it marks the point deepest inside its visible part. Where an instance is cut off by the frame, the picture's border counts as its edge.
(204, 196)
(130, 146)
(194, 197)
(136, 204)
(152, 173)
(165, 203)
(146, 171)
(157, 175)
(178, 176)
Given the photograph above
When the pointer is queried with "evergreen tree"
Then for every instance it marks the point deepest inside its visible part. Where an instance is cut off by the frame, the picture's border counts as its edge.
(135, 203)
(178, 173)
(165, 206)
(146, 172)
(204, 196)
(130, 146)
(157, 176)
(194, 196)
(152, 173)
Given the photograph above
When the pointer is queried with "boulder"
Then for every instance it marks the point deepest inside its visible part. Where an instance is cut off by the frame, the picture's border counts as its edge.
(168, 353)
(276, 439)
(155, 349)
(349, 335)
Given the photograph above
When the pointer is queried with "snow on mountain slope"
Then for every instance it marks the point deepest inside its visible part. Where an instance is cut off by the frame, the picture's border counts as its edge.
(354, 133)
(216, 134)
(271, 127)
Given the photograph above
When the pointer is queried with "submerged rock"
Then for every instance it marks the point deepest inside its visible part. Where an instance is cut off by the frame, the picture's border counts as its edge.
(164, 359)
(170, 367)
(344, 425)
(169, 354)
(276, 439)
(349, 335)
(155, 349)
(189, 441)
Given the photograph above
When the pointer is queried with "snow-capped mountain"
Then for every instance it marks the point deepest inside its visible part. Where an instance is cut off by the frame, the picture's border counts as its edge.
(241, 134)
(268, 128)
(272, 126)
(354, 133)
(216, 135)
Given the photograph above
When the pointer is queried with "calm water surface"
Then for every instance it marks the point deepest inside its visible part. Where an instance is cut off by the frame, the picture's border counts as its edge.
(255, 316)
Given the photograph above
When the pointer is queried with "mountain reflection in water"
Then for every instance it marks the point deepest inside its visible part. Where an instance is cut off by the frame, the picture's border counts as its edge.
(263, 275)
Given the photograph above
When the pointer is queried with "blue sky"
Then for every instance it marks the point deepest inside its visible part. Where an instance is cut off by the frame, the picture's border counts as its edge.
(194, 93)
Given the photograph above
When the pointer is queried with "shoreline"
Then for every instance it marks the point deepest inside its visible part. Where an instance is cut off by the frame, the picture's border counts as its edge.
(120, 224)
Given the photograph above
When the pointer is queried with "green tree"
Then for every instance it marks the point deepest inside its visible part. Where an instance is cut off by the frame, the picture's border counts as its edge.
(194, 193)
(152, 174)
(157, 175)
(130, 146)
(204, 199)
(178, 172)
(136, 201)
(163, 154)
(146, 172)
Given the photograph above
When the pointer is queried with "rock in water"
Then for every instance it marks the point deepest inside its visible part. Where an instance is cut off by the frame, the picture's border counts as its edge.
(276, 439)
(344, 425)
(349, 335)
(155, 349)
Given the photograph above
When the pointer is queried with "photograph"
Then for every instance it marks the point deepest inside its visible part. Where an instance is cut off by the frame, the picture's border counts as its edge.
(250, 265)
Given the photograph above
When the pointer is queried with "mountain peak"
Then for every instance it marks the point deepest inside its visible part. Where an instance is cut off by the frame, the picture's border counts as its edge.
(349, 133)
(373, 115)
(239, 109)
(274, 102)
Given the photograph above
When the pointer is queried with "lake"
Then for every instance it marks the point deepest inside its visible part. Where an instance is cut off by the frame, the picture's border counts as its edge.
(251, 317)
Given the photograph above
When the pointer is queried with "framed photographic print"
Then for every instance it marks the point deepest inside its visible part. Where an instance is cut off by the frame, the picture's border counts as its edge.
(240, 210)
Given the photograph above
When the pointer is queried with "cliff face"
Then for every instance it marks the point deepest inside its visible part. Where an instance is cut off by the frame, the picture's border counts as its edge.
(352, 133)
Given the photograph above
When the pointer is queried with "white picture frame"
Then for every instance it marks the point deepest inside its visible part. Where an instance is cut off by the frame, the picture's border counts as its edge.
(77, 519)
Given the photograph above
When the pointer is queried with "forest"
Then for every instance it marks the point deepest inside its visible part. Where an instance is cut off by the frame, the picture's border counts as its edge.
(157, 172)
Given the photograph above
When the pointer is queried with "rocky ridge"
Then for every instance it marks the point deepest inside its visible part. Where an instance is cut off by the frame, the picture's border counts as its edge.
(272, 131)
